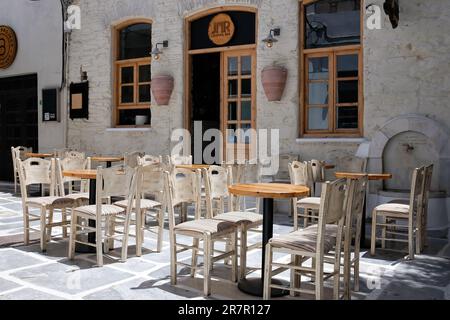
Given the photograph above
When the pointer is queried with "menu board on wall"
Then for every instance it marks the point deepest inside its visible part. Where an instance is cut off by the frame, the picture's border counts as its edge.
(79, 100)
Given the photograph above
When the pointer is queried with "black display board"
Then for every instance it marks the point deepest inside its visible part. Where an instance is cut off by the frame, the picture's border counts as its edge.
(50, 105)
(245, 30)
(79, 100)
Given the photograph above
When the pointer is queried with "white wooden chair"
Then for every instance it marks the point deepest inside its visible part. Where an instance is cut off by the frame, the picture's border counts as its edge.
(132, 159)
(184, 186)
(217, 183)
(40, 171)
(74, 160)
(411, 213)
(150, 183)
(178, 160)
(18, 153)
(308, 207)
(313, 242)
(118, 181)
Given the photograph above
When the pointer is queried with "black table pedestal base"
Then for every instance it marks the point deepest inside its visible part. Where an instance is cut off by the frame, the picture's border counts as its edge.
(254, 287)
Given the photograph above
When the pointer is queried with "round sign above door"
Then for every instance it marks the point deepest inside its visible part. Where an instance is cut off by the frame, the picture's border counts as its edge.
(8, 47)
(221, 29)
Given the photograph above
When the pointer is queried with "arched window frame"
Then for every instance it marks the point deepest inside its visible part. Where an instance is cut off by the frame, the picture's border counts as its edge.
(119, 64)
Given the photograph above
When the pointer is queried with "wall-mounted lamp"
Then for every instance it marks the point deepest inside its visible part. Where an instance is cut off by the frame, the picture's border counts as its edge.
(156, 52)
(270, 40)
(83, 74)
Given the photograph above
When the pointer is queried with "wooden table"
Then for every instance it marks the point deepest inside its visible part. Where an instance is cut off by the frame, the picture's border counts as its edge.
(108, 160)
(193, 166)
(269, 192)
(39, 155)
(371, 177)
(90, 175)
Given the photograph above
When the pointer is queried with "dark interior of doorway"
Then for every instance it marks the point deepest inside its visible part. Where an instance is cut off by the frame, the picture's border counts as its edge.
(205, 93)
(18, 118)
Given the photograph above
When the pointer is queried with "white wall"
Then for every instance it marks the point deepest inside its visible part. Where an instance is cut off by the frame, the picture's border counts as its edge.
(38, 27)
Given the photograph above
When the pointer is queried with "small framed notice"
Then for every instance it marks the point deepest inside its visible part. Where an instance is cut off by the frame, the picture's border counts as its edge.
(79, 100)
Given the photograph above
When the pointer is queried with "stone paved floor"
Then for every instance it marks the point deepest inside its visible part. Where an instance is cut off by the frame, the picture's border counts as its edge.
(26, 273)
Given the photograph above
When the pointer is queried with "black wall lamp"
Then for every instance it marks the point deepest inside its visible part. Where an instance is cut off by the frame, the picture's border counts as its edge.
(156, 52)
(270, 40)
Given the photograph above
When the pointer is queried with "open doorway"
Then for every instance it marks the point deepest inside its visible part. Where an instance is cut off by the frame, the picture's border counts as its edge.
(205, 93)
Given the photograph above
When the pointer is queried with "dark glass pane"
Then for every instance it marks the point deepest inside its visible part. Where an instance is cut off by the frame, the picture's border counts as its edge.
(127, 94)
(246, 65)
(318, 93)
(127, 75)
(348, 91)
(318, 68)
(232, 66)
(246, 88)
(246, 133)
(246, 110)
(347, 118)
(145, 73)
(144, 93)
(347, 66)
(135, 41)
(318, 118)
(232, 88)
(135, 117)
(332, 23)
(232, 111)
(231, 133)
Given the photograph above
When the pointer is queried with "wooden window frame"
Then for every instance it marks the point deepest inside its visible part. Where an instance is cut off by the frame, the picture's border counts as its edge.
(332, 52)
(118, 65)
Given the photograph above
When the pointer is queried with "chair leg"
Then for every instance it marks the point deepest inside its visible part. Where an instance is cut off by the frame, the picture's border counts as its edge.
(72, 237)
(43, 230)
(337, 276)
(207, 267)
(243, 253)
(418, 239)
(383, 233)
(99, 243)
(356, 275)
(64, 221)
(234, 263)
(50, 221)
(295, 276)
(195, 245)
(267, 292)
(140, 217)
(295, 220)
(373, 238)
(126, 234)
(319, 280)
(111, 231)
(411, 240)
(173, 259)
(160, 230)
(26, 226)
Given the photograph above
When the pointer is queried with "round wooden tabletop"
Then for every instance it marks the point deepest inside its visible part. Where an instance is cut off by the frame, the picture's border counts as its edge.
(107, 159)
(81, 174)
(193, 166)
(371, 176)
(269, 190)
(39, 155)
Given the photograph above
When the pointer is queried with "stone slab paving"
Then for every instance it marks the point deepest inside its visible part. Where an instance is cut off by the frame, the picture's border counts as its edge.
(26, 273)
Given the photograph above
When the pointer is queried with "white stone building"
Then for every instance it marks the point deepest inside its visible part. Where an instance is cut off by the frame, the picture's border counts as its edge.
(380, 94)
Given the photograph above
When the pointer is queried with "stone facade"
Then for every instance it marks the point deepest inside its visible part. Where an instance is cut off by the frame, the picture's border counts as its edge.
(406, 71)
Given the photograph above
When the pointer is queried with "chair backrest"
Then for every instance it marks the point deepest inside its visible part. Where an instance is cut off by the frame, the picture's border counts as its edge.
(132, 159)
(301, 174)
(417, 191)
(36, 171)
(178, 160)
(332, 210)
(73, 161)
(318, 172)
(152, 180)
(149, 160)
(19, 153)
(217, 181)
(352, 164)
(182, 186)
(354, 209)
(264, 173)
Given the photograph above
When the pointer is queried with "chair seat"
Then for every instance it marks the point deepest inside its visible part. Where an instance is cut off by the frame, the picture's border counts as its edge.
(206, 226)
(78, 196)
(303, 240)
(107, 210)
(310, 203)
(145, 204)
(240, 217)
(393, 209)
(331, 229)
(59, 202)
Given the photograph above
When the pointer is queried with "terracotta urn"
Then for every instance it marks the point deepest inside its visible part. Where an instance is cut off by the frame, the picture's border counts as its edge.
(162, 87)
(274, 81)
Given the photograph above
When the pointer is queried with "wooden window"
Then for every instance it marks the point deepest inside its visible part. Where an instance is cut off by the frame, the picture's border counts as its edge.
(133, 73)
(331, 63)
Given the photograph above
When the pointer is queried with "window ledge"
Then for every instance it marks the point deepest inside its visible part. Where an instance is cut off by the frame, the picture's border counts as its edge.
(128, 129)
(331, 140)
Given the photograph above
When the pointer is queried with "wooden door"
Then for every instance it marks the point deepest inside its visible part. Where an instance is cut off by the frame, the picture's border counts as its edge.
(239, 103)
